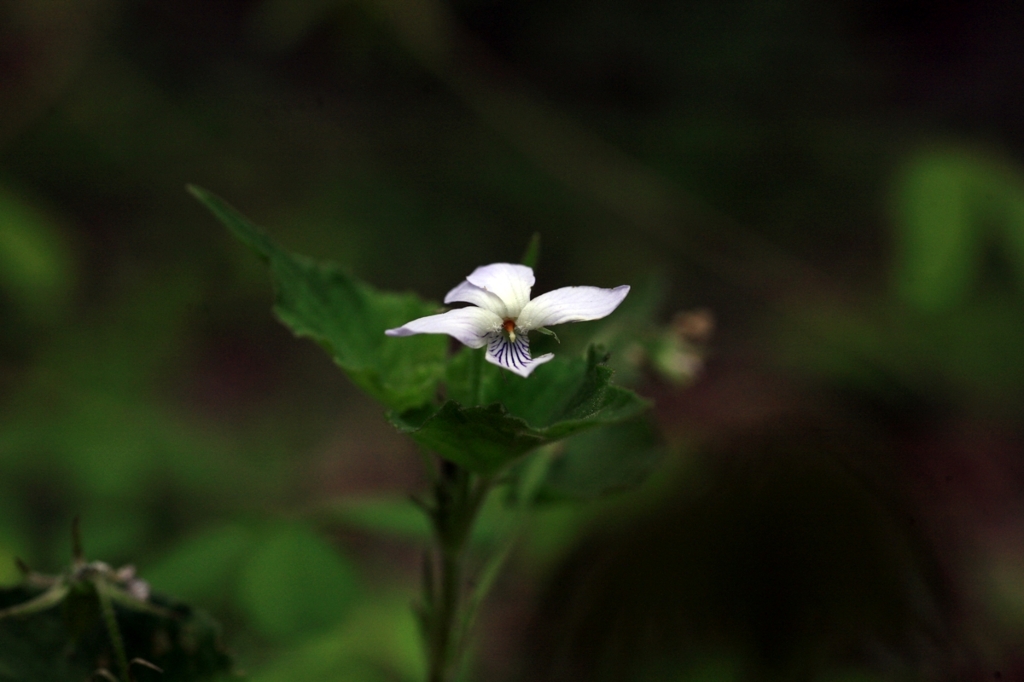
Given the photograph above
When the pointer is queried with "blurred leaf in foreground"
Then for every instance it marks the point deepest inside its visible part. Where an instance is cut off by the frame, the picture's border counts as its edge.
(283, 576)
(954, 210)
(205, 566)
(295, 583)
(378, 643)
(35, 262)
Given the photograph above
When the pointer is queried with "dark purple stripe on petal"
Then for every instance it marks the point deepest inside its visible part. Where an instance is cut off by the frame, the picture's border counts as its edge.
(512, 355)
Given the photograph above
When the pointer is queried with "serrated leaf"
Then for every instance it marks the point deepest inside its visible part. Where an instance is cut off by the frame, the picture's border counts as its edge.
(347, 317)
(516, 415)
(564, 389)
(481, 439)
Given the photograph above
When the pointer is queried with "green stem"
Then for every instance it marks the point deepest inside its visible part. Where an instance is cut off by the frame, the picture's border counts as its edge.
(113, 631)
(458, 498)
(476, 369)
(442, 652)
(529, 484)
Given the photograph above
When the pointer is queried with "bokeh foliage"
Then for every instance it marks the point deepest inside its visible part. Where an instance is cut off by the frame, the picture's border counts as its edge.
(839, 183)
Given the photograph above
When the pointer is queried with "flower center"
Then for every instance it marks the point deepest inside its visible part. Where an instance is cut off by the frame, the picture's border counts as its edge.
(510, 328)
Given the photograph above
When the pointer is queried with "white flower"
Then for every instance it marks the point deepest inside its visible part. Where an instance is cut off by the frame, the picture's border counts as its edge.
(502, 313)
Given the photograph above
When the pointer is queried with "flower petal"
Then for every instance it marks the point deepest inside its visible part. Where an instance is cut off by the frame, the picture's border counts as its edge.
(513, 355)
(471, 326)
(570, 304)
(509, 282)
(470, 293)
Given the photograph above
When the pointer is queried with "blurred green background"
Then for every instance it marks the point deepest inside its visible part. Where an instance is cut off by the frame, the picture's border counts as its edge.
(838, 183)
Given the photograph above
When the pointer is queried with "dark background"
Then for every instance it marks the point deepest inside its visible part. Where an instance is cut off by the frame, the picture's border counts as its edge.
(836, 182)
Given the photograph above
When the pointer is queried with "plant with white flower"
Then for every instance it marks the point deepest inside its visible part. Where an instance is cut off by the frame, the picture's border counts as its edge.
(484, 432)
(502, 313)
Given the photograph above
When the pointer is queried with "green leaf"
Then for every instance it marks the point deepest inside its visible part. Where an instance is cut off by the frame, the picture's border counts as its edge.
(547, 332)
(36, 266)
(348, 318)
(204, 567)
(396, 516)
(955, 211)
(481, 439)
(516, 415)
(391, 516)
(379, 641)
(605, 460)
(384, 516)
(938, 248)
(295, 583)
(967, 354)
(532, 253)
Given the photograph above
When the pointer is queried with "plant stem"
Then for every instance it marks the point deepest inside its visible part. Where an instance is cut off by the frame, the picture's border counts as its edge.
(113, 631)
(475, 369)
(442, 652)
(458, 498)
